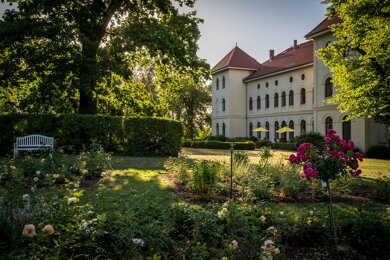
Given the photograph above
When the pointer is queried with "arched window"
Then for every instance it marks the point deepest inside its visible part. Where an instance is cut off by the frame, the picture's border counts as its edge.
(284, 135)
(328, 124)
(223, 104)
(223, 129)
(276, 100)
(291, 98)
(291, 134)
(267, 101)
(250, 129)
(283, 99)
(267, 133)
(258, 102)
(217, 84)
(217, 129)
(223, 82)
(328, 87)
(276, 129)
(346, 129)
(303, 127)
(250, 103)
(303, 96)
(258, 133)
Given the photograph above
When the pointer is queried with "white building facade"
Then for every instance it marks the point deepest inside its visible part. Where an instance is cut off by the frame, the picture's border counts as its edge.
(289, 89)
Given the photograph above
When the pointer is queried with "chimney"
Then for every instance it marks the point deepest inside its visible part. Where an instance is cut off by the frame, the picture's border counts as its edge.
(271, 54)
(295, 44)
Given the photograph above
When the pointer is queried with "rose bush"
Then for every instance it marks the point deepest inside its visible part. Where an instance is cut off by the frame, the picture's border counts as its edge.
(336, 158)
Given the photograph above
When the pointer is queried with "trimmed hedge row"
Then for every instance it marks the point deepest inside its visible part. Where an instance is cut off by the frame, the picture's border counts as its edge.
(130, 135)
(220, 145)
(284, 146)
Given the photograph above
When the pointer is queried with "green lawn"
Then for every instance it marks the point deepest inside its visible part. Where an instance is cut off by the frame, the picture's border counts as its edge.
(372, 168)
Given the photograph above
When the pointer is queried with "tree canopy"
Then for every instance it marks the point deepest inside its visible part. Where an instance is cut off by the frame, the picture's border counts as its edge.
(101, 56)
(359, 58)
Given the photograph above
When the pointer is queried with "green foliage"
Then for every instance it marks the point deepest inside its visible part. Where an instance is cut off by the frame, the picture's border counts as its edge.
(314, 138)
(220, 145)
(205, 176)
(79, 61)
(240, 157)
(180, 166)
(359, 58)
(378, 151)
(262, 143)
(283, 146)
(131, 135)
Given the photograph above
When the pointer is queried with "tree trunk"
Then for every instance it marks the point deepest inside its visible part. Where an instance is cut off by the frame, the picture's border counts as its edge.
(88, 75)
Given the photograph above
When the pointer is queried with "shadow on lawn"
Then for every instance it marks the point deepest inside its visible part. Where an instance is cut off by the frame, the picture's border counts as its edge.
(142, 163)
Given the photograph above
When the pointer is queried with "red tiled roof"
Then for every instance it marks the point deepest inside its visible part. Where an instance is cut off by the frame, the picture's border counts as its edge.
(236, 58)
(290, 58)
(324, 25)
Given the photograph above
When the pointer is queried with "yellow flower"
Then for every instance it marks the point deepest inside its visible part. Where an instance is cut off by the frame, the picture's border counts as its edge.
(48, 229)
(262, 218)
(29, 230)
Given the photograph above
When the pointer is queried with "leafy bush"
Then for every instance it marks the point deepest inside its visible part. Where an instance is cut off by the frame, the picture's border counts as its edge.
(284, 146)
(179, 166)
(240, 157)
(90, 164)
(262, 143)
(205, 176)
(378, 151)
(131, 135)
(311, 137)
(248, 145)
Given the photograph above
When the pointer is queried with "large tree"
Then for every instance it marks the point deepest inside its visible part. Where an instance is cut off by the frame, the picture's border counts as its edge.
(360, 57)
(69, 55)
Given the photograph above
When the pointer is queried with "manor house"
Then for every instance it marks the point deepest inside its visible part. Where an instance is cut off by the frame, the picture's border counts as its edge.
(288, 89)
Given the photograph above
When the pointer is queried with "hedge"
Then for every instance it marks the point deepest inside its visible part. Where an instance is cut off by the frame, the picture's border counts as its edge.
(378, 152)
(284, 146)
(263, 143)
(220, 145)
(141, 136)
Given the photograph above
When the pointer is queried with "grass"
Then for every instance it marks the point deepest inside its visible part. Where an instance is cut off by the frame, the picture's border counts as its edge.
(372, 168)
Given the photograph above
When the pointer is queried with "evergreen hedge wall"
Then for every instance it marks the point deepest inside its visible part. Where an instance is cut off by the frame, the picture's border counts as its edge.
(248, 145)
(129, 135)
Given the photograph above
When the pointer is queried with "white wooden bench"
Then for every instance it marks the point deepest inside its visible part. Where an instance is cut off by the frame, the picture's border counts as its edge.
(32, 143)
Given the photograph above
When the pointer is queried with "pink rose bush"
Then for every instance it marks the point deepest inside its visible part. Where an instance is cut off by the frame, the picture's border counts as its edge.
(335, 158)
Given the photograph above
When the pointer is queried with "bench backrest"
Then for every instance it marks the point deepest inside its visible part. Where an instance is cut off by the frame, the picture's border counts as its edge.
(35, 140)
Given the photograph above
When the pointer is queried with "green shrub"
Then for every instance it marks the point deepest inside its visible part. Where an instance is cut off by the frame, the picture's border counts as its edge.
(240, 157)
(74, 132)
(205, 176)
(311, 137)
(284, 146)
(378, 151)
(248, 145)
(262, 143)
(180, 166)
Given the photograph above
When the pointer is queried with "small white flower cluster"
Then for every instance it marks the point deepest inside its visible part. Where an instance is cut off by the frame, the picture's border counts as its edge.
(103, 174)
(72, 200)
(138, 242)
(269, 250)
(224, 211)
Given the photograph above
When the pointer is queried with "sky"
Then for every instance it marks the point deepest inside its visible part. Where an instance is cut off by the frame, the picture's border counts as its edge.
(255, 25)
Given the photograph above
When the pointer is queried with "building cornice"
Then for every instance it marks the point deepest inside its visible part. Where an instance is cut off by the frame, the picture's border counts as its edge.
(304, 112)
